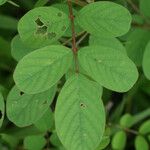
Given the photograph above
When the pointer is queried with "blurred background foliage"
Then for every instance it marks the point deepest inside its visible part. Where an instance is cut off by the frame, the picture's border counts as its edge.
(128, 114)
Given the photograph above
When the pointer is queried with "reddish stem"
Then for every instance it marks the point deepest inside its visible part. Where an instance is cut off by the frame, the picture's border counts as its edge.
(74, 47)
(72, 26)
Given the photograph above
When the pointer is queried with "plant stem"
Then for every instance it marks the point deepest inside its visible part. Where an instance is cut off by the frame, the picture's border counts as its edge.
(79, 2)
(70, 39)
(74, 47)
(13, 3)
(81, 39)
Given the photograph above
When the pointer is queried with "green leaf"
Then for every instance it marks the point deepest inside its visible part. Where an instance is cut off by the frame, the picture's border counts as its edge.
(104, 143)
(146, 61)
(137, 19)
(8, 23)
(19, 49)
(40, 70)
(4, 91)
(64, 8)
(55, 140)
(103, 41)
(145, 7)
(4, 48)
(40, 3)
(11, 140)
(34, 142)
(24, 110)
(145, 127)
(2, 109)
(75, 108)
(119, 140)
(109, 67)
(46, 123)
(126, 120)
(42, 26)
(2, 2)
(140, 116)
(136, 43)
(141, 143)
(149, 138)
(21, 133)
(105, 18)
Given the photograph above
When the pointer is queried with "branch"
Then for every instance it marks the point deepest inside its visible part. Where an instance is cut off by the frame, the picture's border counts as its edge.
(72, 26)
(74, 47)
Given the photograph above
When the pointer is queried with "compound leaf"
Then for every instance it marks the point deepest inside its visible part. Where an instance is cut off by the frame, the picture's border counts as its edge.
(24, 109)
(75, 108)
(42, 26)
(109, 67)
(40, 70)
(105, 19)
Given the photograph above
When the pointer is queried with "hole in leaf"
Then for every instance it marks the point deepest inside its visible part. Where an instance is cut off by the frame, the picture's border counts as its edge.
(59, 14)
(1, 114)
(39, 22)
(41, 30)
(82, 105)
(21, 93)
(51, 35)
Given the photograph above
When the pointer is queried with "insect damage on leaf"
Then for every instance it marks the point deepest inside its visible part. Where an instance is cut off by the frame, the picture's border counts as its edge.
(41, 28)
(82, 105)
(39, 22)
(51, 35)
